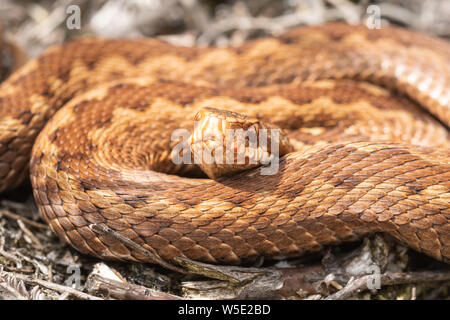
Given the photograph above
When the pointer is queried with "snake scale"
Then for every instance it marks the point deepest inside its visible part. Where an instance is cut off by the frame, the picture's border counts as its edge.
(366, 110)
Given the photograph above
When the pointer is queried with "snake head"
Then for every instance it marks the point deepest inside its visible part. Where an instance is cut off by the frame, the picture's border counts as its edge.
(224, 142)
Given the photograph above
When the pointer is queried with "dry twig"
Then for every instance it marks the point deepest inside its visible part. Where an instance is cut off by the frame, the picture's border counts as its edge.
(154, 257)
(14, 216)
(356, 285)
(122, 290)
(55, 287)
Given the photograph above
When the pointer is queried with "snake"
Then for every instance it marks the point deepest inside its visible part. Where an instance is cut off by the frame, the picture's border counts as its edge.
(366, 112)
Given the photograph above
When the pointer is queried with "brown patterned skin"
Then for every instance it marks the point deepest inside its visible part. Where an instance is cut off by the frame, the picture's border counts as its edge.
(369, 157)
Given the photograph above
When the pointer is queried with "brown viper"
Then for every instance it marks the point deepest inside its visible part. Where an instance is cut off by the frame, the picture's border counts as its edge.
(366, 110)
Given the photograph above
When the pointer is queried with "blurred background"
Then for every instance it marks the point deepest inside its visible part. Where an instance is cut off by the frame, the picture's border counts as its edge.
(35, 25)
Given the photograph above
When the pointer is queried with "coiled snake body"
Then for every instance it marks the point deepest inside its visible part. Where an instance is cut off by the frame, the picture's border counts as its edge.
(366, 110)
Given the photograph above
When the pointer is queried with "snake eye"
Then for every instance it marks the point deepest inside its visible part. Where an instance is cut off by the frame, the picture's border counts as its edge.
(198, 116)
